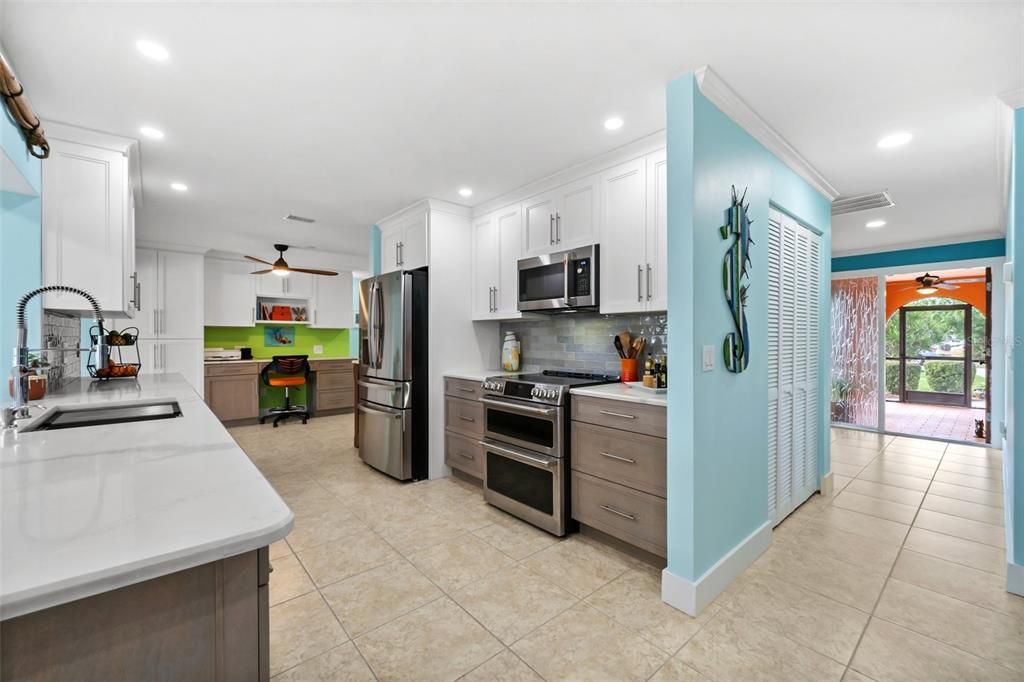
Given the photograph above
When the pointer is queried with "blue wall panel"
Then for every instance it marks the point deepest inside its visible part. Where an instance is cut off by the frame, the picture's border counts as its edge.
(989, 248)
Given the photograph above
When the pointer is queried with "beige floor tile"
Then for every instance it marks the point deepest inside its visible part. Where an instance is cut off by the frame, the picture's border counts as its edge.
(515, 538)
(513, 602)
(990, 635)
(818, 572)
(919, 444)
(989, 463)
(368, 600)
(460, 561)
(858, 550)
(301, 629)
(346, 557)
(421, 533)
(874, 506)
(957, 550)
(318, 529)
(992, 484)
(978, 531)
(890, 653)
(675, 670)
(886, 492)
(972, 450)
(288, 579)
(892, 478)
(839, 483)
(955, 580)
(852, 456)
(852, 675)
(505, 667)
(578, 566)
(959, 492)
(341, 663)
(844, 469)
(583, 644)
(634, 600)
(734, 647)
(930, 455)
(872, 527)
(972, 469)
(279, 549)
(861, 438)
(819, 623)
(438, 641)
(890, 466)
(925, 461)
(964, 509)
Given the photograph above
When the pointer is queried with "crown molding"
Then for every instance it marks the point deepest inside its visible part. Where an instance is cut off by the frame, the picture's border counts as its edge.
(921, 244)
(1013, 98)
(130, 147)
(732, 105)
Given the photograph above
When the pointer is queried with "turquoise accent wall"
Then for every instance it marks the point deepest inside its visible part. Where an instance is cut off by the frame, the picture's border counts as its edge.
(20, 241)
(718, 421)
(374, 250)
(1014, 471)
(988, 248)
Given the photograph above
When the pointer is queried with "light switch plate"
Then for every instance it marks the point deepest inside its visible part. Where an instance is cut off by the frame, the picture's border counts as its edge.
(318, 350)
(709, 358)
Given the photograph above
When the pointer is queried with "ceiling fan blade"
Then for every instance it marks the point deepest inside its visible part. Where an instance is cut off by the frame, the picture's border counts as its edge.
(310, 271)
(262, 272)
(964, 280)
(909, 288)
(946, 285)
(259, 260)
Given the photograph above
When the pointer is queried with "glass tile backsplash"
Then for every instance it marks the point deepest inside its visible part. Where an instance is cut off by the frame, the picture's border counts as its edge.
(584, 340)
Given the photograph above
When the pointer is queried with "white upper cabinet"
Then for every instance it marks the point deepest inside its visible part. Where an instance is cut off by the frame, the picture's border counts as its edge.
(332, 302)
(657, 230)
(623, 253)
(171, 295)
(634, 236)
(230, 297)
(295, 285)
(563, 218)
(88, 222)
(497, 246)
(403, 242)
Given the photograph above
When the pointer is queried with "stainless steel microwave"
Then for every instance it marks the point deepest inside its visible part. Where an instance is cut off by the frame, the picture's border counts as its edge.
(564, 280)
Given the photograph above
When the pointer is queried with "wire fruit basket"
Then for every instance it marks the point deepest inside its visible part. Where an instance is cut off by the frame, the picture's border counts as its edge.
(123, 361)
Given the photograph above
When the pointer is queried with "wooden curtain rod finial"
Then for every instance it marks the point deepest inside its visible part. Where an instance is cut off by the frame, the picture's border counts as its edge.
(21, 111)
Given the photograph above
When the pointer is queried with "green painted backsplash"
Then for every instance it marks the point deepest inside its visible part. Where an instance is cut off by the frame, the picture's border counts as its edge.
(334, 341)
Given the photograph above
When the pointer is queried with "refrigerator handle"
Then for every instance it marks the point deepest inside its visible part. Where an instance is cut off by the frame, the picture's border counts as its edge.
(381, 331)
(372, 326)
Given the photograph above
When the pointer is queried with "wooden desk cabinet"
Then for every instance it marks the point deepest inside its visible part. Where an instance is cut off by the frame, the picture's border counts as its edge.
(232, 390)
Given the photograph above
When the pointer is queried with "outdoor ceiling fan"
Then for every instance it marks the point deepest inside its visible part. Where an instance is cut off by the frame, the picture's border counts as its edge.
(930, 284)
(281, 268)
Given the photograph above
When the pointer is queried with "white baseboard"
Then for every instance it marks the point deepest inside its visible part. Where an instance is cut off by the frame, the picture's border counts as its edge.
(691, 597)
(1014, 579)
(827, 485)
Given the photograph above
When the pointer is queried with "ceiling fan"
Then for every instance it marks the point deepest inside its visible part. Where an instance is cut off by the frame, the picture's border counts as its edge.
(930, 284)
(281, 268)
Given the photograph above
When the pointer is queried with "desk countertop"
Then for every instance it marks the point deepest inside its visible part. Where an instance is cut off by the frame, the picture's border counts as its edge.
(312, 358)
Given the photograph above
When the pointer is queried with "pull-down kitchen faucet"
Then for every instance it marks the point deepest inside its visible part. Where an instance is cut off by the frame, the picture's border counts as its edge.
(19, 369)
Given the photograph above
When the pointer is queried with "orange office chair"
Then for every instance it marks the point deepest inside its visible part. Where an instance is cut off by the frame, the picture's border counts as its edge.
(287, 371)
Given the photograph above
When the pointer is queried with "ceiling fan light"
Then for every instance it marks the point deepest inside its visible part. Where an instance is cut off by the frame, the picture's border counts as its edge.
(279, 271)
(924, 291)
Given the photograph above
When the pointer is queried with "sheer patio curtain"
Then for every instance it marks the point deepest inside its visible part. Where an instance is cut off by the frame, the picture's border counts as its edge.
(855, 389)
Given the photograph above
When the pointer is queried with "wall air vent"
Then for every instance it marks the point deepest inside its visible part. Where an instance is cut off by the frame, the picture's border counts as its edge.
(299, 219)
(862, 202)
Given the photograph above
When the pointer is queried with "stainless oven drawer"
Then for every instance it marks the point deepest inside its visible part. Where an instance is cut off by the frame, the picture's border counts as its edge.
(526, 484)
(525, 425)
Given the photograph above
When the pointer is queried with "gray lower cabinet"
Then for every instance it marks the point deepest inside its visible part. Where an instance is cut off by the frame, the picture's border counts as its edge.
(619, 470)
(464, 426)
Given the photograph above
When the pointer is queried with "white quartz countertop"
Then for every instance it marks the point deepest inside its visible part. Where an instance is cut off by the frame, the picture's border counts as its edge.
(312, 358)
(478, 374)
(623, 392)
(91, 509)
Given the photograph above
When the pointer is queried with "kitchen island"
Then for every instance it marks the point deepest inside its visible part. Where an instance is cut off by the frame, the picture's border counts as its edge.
(134, 550)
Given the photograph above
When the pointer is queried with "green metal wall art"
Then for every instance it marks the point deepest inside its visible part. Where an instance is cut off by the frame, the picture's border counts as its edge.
(734, 269)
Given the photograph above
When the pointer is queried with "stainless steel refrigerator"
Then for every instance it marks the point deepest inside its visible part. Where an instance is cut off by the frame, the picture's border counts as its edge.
(392, 410)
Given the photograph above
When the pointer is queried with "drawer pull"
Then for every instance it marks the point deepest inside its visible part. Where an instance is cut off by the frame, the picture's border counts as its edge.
(617, 457)
(623, 514)
(618, 414)
(466, 419)
(465, 456)
(466, 390)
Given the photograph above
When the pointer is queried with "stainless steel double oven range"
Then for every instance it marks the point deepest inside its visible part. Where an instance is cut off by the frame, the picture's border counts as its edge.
(526, 444)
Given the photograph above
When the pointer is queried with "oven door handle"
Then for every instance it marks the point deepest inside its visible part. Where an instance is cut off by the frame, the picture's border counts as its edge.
(526, 409)
(519, 456)
(566, 265)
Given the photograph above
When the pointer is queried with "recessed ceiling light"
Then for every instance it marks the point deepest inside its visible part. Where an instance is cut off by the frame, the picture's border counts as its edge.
(154, 51)
(152, 133)
(613, 123)
(895, 140)
(179, 186)
(874, 224)
(465, 192)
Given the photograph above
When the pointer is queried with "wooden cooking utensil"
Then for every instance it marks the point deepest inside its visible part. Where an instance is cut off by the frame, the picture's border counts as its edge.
(618, 346)
(626, 340)
(639, 344)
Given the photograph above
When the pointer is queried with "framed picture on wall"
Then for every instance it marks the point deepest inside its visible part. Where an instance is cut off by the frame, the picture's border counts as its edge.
(278, 336)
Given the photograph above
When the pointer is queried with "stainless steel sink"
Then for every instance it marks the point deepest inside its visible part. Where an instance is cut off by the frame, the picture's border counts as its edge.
(76, 416)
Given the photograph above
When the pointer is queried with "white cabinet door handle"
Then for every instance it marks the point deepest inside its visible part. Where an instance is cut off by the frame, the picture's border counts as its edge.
(648, 281)
(639, 279)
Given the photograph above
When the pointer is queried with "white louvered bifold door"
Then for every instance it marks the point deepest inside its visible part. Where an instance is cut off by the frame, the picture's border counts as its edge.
(793, 346)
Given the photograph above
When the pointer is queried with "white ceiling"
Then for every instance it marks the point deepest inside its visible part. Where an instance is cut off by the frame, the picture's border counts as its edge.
(347, 112)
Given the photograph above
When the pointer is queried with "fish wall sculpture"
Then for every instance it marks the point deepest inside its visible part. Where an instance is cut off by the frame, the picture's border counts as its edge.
(736, 347)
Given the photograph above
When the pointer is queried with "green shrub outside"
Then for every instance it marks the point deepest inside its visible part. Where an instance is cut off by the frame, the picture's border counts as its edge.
(947, 377)
(892, 376)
